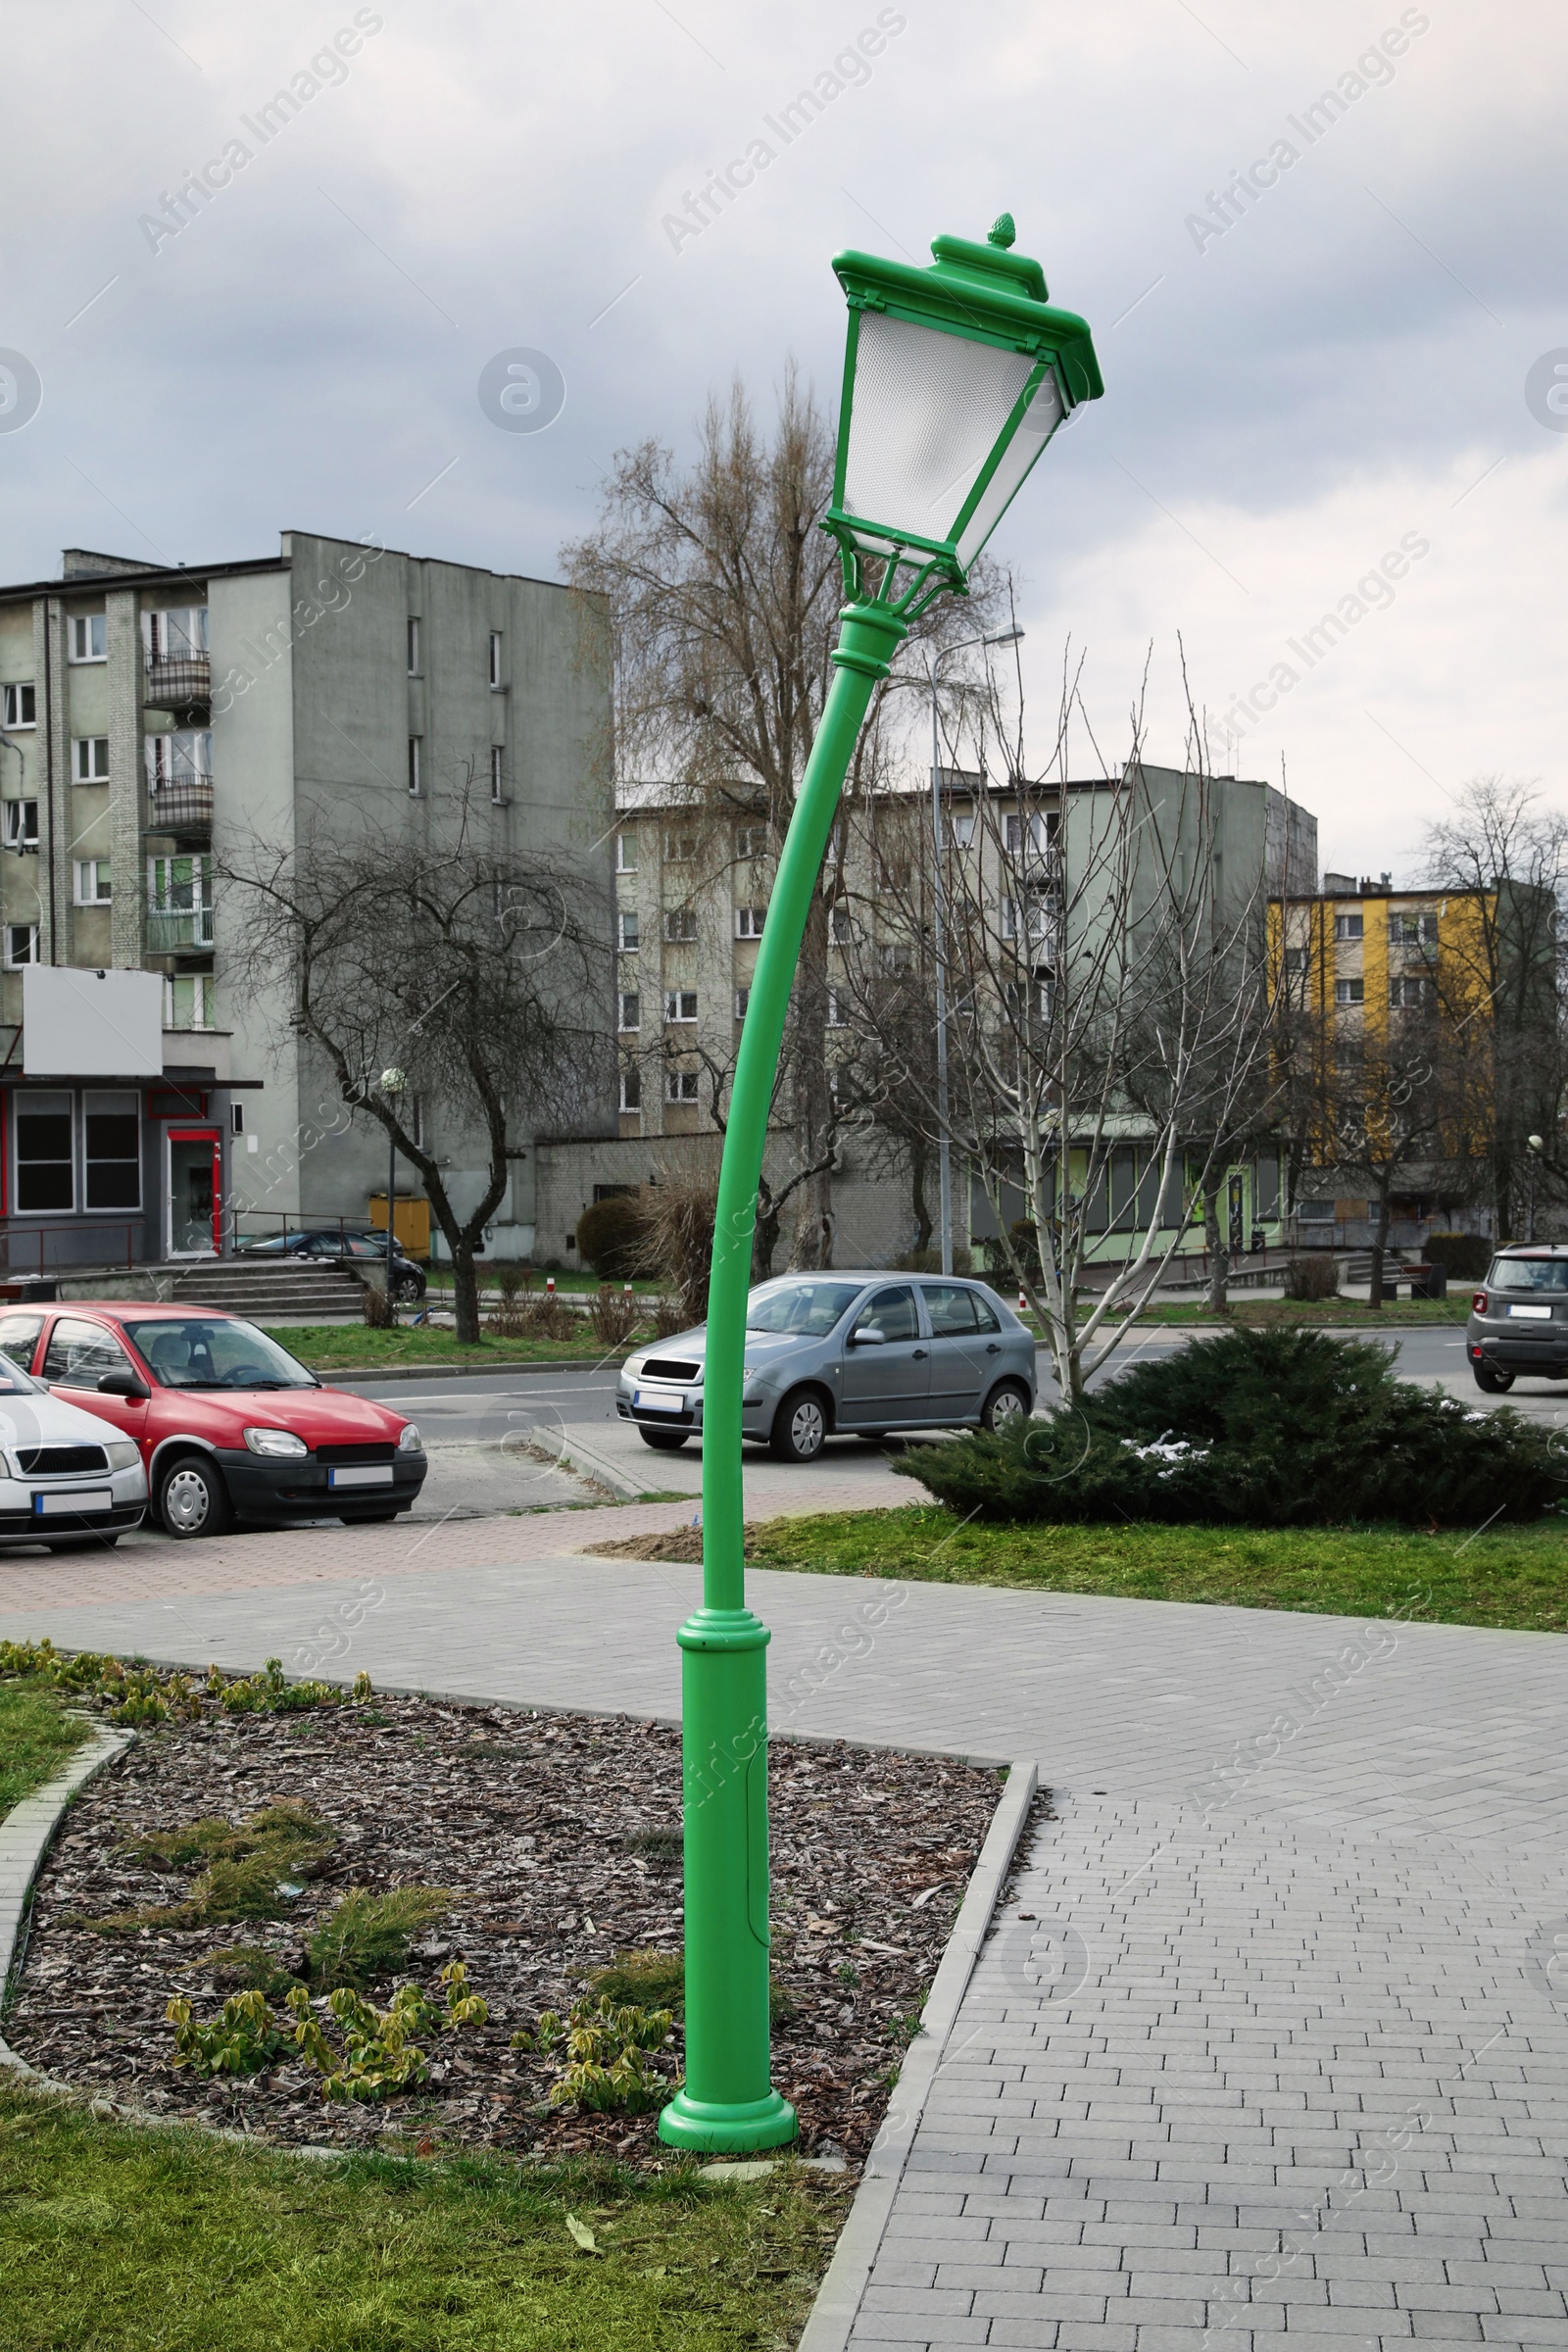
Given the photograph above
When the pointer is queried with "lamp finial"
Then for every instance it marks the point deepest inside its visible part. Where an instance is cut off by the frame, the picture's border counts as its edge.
(1002, 233)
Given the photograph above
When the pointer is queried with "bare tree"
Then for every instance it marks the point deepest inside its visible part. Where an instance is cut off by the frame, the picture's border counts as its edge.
(722, 597)
(484, 979)
(1504, 974)
(1108, 1027)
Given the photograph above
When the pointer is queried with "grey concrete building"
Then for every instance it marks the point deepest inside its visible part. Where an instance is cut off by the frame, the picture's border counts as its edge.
(150, 717)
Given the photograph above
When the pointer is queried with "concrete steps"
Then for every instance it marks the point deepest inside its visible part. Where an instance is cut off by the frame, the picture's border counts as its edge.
(280, 1290)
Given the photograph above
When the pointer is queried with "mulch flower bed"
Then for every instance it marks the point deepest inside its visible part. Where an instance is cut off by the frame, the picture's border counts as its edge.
(558, 1837)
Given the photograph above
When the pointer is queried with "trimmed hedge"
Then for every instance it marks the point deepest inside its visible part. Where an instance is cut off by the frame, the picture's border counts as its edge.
(1261, 1428)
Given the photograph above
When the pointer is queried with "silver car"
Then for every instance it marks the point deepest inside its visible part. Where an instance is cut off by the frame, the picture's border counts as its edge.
(1519, 1319)
(847, 1354)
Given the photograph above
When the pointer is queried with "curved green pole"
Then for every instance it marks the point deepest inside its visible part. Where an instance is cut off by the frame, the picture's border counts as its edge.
(728, 2101)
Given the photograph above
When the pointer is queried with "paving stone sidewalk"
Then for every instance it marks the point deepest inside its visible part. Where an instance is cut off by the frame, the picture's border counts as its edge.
(1280, 2059)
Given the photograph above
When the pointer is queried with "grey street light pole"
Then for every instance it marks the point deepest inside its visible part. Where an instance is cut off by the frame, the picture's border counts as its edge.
(944, 1147)
(1538, 1145)
(392, 1084)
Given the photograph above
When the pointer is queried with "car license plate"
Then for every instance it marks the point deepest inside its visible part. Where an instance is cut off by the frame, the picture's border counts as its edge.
(658, 1400)
(1532, 1314)
(72, 1506)
(362, 1474)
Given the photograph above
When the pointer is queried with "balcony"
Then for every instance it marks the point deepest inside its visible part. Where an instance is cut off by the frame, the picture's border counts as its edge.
(175, 681)
(175, 932)
(181, 805)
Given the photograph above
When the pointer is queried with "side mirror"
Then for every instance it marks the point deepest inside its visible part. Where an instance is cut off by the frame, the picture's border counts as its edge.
(121, 1384)
(869, 1336)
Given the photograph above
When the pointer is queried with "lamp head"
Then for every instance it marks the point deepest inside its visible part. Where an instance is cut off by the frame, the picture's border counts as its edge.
(955, 378)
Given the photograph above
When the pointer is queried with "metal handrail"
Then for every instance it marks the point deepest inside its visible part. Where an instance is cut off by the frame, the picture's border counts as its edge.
(11, 1232)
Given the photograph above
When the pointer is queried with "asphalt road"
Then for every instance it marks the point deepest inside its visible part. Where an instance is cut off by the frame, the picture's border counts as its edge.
(493, 1409)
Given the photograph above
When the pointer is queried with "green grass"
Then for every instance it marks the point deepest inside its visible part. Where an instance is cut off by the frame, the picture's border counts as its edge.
(355, 1347)
(36, 1737)
(1325, 1314)
(122, 2237)
(1516, 1576)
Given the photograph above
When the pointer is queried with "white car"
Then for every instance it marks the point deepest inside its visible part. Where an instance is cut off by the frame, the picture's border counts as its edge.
(68, 1478)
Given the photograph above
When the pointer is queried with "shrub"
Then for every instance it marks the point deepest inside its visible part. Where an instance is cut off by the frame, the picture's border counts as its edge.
(243, 2041)
(376, 1307)
(378, 2057)
(929, 1262)
(613, 1314)
(510, 1319)
(609, 1237)
(609, 2068)
(367, 1936)
(1315, 1277)
(1264, 1427)
(677, 1224)
(1466, 1257)
(669, 1317)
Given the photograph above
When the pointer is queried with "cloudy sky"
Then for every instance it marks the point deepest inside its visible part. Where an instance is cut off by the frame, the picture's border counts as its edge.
(1350, 359)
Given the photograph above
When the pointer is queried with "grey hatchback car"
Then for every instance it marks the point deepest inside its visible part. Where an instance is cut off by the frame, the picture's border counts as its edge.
(847, 1354)
(1519, 1319)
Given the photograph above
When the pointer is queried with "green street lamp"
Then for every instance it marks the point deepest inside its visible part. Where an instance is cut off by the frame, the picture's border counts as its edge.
(955, 378)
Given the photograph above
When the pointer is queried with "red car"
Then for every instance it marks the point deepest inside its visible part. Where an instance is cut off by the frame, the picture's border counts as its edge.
(228, 1424)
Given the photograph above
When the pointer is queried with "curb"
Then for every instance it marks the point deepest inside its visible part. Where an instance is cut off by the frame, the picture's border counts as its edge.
(839, 2297)
(24, 1837)
(598, 1467)
(479, 1371)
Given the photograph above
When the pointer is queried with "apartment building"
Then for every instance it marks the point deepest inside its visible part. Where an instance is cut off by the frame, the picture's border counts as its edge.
(1362, 961)
(692, 893)
(150, 718)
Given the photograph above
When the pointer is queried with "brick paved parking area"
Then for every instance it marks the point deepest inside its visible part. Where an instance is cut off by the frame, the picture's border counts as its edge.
(1270, 2046)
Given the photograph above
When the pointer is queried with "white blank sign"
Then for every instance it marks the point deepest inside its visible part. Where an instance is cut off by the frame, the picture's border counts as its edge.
(87, 1024)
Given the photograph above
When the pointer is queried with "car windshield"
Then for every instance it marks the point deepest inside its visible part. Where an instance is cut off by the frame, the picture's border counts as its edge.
(215, 1351)
(808, 1308)
(1529, 1274)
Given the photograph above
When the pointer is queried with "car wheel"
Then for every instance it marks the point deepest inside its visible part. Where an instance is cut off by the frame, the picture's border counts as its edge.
(1495, 1384)
(192, 1500)
(663, 1441)
(1007, 1405)
(83, 1544)
(799, 1427)
(408, 1291)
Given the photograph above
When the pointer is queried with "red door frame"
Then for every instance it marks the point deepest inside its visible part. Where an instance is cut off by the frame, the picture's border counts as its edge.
(212, 1136)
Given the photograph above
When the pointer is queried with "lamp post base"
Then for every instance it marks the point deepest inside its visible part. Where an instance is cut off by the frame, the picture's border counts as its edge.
(723, 2129)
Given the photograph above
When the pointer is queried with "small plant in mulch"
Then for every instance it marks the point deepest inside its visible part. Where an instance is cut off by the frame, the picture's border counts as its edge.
(249, 1968)
(367, 1936)
(660, 1977)
(141, 1696)
(378, 2058)
(254, 1871)
(609, 2066)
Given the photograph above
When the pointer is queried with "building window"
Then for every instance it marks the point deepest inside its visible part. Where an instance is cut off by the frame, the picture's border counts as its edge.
(835, 1010)
(743, 997)
(680, 1005)
(45, 1163)
(22, 825)
(626, 931)
(22, 944)
(416, 748)
(236, 1118)
(183, 757)
(178, 635)
(179, 903)
(1412, 930)
(1314, 1212)
(497, 774)
(1296, 961)
(1028, 917)
(89, 637)
(1346, 926)
(680, 848)
(680, 924)
(749, 921)
(840, 926)
(92, 882)
(1349, 992)
(89, 759)
(495, 660)
(414, 647)
(21, 705)
(960, 828)
(114, 1151)
(631, 1013)
(188, 1001)
(750, 841)
(1409, 995)
(632, 1090)
(898, 959)
(680, 1086)
(1033, 830)
(625, 852)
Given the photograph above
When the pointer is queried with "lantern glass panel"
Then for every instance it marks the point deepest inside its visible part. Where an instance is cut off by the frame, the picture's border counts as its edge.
(928, 409)
(1040, 421)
